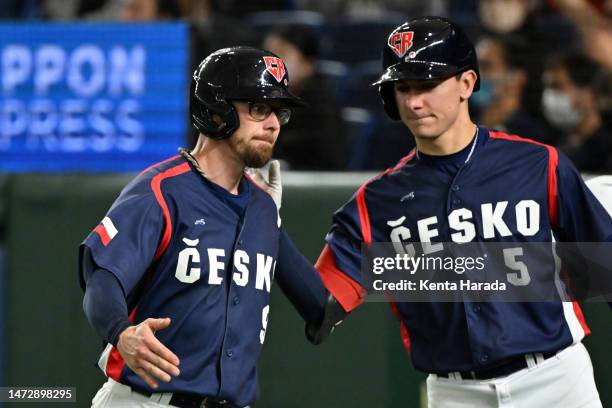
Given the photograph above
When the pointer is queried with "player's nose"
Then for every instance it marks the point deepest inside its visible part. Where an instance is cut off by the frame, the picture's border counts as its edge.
(413, 100)
(272, 122)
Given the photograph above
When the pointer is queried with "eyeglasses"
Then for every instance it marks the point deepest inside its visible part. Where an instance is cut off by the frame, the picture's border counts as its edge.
(260, 111)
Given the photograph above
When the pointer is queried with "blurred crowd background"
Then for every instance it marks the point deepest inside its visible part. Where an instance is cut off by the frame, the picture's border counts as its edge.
(546, 67)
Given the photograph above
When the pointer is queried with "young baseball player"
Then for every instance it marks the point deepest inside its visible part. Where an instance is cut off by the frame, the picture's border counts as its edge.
(463, 183)
(177, 276)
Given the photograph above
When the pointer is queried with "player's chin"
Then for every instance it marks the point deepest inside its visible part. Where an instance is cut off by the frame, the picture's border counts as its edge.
(257, 156)
(422, 130)
(421, 125)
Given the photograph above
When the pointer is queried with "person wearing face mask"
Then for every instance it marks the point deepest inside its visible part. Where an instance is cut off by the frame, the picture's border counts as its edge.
(570, 104)
(317, 140)
(499, 102)
(504, 16)
(526, 20)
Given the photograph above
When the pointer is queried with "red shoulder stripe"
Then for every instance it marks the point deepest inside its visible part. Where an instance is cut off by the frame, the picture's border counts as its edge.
(364, 217)
(362, 207)
(553, 210)
(161, 162)
(348, 292)
(553, 161)
(156, 187)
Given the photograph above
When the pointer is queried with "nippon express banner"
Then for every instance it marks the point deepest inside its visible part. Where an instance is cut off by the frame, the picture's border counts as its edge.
(91, 97)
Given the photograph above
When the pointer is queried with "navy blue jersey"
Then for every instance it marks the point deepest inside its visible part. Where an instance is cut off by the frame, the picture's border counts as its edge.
(179, 250)
(511, 190)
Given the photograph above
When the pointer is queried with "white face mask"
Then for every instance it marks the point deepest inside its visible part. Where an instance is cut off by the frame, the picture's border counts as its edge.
(502, 16)
(558, 110)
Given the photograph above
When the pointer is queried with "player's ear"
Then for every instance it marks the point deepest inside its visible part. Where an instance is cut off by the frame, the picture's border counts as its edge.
(467, 80)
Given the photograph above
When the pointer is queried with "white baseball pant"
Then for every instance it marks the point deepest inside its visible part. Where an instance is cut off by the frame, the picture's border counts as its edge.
(563, 380)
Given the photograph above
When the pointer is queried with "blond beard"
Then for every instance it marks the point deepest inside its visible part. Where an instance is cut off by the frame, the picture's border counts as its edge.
(249, 155)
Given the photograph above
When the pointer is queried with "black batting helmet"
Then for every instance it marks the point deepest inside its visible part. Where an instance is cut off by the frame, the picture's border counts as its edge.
(424, 48)
(236, 73)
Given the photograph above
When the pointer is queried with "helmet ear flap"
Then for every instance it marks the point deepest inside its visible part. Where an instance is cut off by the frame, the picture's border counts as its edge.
(387, 93)
(202, 114)
(229, 120)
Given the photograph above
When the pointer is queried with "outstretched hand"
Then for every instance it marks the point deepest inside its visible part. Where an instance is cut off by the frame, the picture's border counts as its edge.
(146, 355)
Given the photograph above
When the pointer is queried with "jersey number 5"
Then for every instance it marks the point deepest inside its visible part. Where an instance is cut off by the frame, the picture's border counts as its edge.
(521, 277)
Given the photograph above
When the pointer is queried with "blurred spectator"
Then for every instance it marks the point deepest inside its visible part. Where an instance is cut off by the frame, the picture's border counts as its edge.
(240, 8)
(593, 20)
(314, 138)
(604, 87)
(505, 16)
(82, 9)
(415, 8)
(597, 41)
(212, 29)
(499, 102)
(124, 10)
(570, 103)
(374, 8)
(150, 10)
(526, 19)
(209, 30)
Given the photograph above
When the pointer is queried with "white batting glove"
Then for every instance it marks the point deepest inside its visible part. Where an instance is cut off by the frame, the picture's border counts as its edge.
(273, 184)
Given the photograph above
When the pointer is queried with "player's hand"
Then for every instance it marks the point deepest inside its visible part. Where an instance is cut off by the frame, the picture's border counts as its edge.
(273, 184)
(146, 355)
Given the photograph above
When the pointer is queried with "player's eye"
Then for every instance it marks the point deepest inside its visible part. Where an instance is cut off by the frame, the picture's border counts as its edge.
(403, 87)
(417, 86)
(284, 114)
(259, 110)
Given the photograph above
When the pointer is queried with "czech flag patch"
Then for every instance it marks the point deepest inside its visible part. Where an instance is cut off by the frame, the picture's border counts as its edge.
(106, 230)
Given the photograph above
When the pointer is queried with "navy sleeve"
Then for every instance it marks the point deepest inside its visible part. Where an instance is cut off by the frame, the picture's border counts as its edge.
(345, 239)
(127, 239)
(581, 217)
(340, 261)
(300, 281)
(105, 305)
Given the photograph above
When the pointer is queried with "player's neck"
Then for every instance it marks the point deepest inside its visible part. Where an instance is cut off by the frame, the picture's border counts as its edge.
(218, 164)
(451, 141)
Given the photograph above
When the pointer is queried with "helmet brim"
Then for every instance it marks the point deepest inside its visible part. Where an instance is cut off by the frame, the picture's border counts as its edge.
(278, 95)
(418, 70)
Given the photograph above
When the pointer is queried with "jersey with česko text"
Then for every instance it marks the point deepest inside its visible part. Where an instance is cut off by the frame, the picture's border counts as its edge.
(507, 179)
(179, 251)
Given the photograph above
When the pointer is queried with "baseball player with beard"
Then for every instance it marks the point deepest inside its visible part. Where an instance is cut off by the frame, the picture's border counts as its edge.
(462, 183)
(177, 276)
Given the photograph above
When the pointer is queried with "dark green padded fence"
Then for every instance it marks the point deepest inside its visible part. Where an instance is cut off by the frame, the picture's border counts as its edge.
(48, 341)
